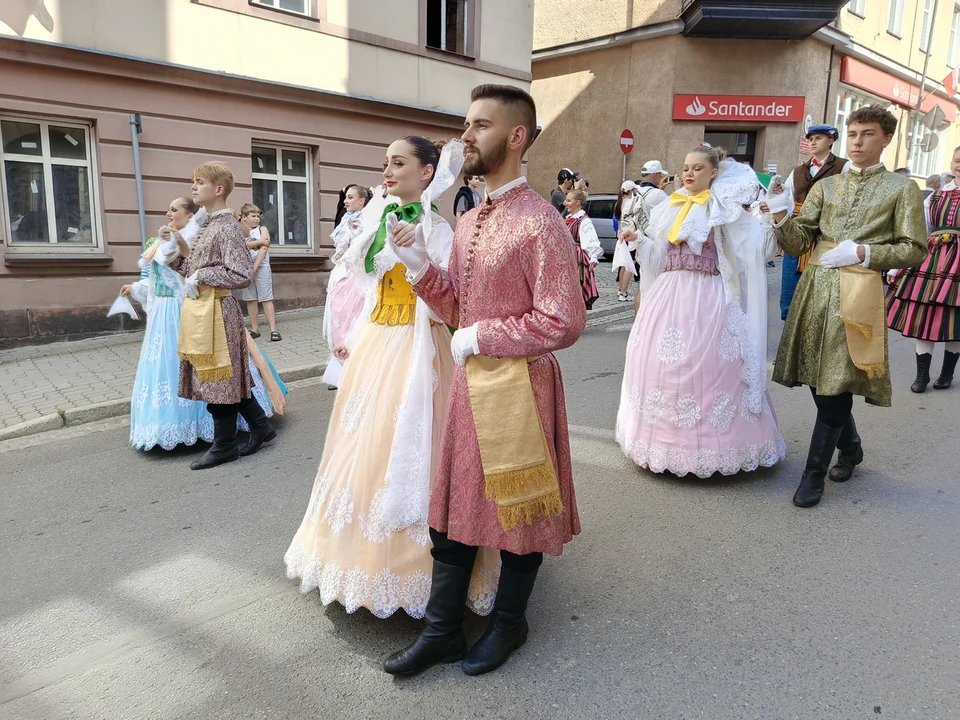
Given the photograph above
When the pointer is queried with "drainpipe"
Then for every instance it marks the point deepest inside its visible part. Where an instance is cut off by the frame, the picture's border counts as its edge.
(826, 98)
(914, 136)
(136, 127)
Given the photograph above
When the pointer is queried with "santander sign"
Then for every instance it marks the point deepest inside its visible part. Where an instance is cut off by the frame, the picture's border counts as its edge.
(749, 108)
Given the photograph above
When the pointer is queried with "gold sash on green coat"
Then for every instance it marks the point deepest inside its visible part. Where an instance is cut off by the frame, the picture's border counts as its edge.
(862, 310)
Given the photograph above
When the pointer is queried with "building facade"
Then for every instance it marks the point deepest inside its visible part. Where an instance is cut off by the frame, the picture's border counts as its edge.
(301, 97)
(749, 76)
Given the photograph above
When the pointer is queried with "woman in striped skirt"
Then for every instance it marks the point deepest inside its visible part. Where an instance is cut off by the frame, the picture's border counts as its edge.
(925, 302)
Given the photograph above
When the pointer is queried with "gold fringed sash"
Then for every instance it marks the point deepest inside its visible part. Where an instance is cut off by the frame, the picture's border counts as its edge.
(517, 465)
(277, 399)
(862, 310)
(203, 336)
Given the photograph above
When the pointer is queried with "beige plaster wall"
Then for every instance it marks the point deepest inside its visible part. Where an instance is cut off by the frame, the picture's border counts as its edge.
(585, 101)
(210, 38)
(558, 22)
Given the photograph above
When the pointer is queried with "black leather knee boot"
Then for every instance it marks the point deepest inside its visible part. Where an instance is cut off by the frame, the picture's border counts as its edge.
(946, 374)
(261, 429)
(224, 448)
(442, 639)
(851, 452)
(822, 445)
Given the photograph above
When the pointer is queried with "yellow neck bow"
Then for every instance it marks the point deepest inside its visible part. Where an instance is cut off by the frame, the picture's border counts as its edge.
(688, 202)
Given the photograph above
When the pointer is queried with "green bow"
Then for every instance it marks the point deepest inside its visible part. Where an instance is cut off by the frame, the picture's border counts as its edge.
(407, 213)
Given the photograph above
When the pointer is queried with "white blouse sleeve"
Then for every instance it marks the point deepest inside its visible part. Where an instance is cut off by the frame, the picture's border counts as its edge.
(589, 240)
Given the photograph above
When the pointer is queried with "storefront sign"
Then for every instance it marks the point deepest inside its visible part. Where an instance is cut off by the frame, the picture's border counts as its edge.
(750, 108)
(860, 75)
(804, 146)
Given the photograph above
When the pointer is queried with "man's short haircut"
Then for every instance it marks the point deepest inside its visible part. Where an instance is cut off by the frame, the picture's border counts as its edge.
(249, 208)
(521, 105)
(870, 114)
(216, 172)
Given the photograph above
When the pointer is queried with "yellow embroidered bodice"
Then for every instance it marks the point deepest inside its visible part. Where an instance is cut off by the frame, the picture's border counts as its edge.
(396, 300)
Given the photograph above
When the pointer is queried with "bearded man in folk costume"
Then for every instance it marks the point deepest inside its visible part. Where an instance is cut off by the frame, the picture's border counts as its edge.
(859, 224)
(504, 478)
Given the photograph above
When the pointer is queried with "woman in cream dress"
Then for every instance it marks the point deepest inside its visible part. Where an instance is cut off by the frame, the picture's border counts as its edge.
(364, 540)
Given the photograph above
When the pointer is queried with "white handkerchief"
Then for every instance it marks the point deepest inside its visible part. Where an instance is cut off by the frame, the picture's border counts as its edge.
(122, 306)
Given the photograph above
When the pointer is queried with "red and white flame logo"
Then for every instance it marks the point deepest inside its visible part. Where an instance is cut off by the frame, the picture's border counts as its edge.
(696, 107)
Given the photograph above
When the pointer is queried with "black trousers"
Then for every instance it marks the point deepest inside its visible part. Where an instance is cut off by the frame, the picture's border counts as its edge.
(248, 407)
(833, 410)
(451, 552)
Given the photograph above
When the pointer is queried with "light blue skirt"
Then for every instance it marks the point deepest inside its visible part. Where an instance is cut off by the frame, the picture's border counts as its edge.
(158, 417)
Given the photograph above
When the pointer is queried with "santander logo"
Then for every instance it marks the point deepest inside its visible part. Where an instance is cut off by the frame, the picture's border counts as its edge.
(696, 108)
(748, 108)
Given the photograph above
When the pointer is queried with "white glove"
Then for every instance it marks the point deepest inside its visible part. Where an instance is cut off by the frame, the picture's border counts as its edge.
(464, 344)
(414, 257)
(779, 202)
(192, 286)
(842, 255)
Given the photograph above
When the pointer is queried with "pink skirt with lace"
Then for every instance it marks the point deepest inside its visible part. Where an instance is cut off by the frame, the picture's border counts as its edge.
(682, 406)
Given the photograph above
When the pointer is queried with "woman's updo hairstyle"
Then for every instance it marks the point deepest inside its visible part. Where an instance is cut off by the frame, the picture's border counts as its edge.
(427, 152)
(188, 204)
(578, 195)
(713, 155)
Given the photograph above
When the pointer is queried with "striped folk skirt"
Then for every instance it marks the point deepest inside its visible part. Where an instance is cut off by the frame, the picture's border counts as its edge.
(588, 278)
(925, 302)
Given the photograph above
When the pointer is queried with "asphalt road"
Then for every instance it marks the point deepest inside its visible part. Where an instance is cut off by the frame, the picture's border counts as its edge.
(134, 588)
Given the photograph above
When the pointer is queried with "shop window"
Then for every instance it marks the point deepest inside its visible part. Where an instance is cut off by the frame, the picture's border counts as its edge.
(926, 30)
(300, 7)
(895, 19)
(953, 55)
(447, 26)
(858, 7)
(48, 188)
(281, 189)
(923, 164)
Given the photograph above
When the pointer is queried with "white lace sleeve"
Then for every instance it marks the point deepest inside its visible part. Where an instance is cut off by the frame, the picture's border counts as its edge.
(736, 185)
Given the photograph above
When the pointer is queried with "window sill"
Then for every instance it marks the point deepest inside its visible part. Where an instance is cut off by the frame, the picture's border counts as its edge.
(299, 263)
(282, 11)
(449, 53)
(20, 259)
(856, 14)
(893, 34)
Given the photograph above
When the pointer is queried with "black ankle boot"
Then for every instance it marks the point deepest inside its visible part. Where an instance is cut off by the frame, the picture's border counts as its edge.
(851, 452)
(261, 430)
(224, 448)
(946, 374)
(508, 627)
(923, 373)
(442, 639)
(822, 445)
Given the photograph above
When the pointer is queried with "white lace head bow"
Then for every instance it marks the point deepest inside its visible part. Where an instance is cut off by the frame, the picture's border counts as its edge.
(736, 185)
(444, 176)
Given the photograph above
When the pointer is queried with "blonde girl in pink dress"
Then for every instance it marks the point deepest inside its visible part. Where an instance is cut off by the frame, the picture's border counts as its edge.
(694, 399)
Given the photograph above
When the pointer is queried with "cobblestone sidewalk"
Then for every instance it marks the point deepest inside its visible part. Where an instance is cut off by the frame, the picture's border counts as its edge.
(42, 380)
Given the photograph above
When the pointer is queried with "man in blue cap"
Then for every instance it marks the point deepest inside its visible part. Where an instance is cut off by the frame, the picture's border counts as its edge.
(822, 164)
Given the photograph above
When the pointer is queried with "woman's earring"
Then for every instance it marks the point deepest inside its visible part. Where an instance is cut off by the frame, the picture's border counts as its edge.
(384, 192)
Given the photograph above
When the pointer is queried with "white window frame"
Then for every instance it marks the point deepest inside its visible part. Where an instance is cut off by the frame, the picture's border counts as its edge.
(275, 5)
(923, 165)
(48, 161)
(858, 8)
(467, 40)
(953, 52)
(280, 242)
(926, 31)
(895, 19)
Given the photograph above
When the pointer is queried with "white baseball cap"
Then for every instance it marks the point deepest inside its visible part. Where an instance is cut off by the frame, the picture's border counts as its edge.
(628, 186)
(652, 166)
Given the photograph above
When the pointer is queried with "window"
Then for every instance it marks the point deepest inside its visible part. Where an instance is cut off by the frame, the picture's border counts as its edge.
(447, 26)
(923, 164)
(926, 30)
(281, 189)
(48, 187)
(301, 7)
(858, 7)
(953, 55)
(895, 21)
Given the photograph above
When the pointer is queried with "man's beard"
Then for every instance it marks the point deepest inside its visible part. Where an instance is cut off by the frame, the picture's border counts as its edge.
(488, 163)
